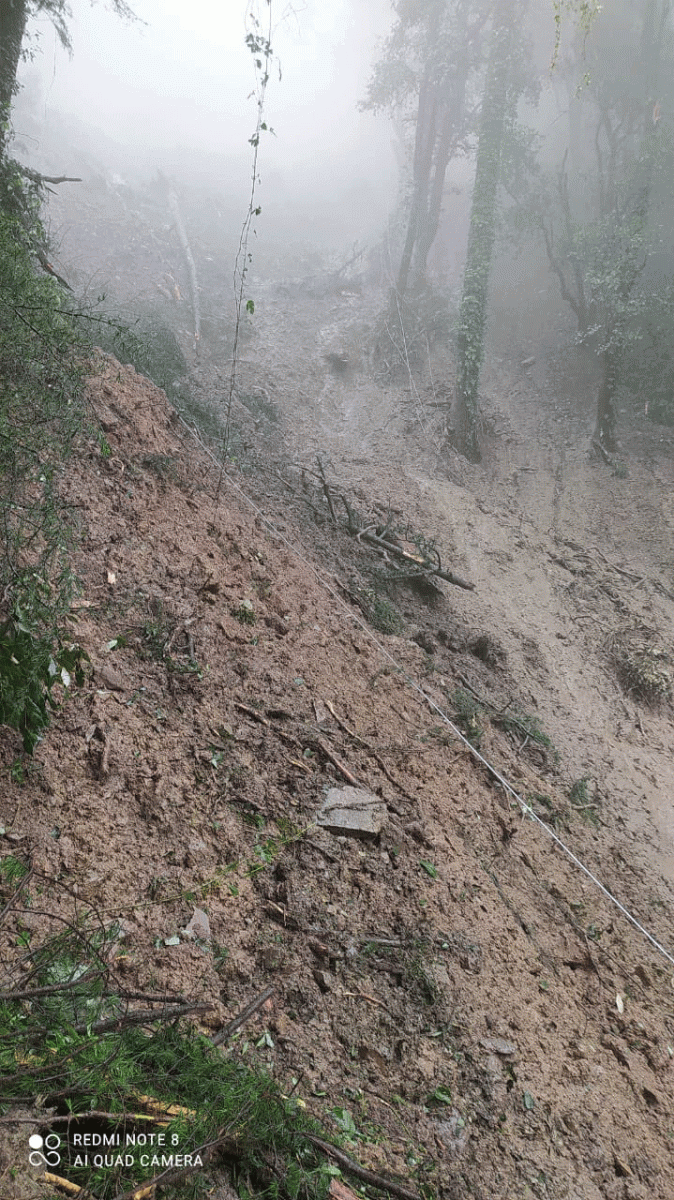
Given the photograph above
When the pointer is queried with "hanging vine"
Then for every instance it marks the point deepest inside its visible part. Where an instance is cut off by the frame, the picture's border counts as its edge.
(258, 40)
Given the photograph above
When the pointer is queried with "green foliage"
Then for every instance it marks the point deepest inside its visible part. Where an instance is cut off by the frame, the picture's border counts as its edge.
(383, 615)
(466, 712)
(41, 372)
(245, 613)
(648, 359)
(584, 12)
(604, 221)
(68, 1029)
(146, 341)
(29, 668)
(581, 801)
(510, 720)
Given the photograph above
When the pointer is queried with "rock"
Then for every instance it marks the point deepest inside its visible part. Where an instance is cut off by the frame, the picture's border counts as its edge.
(199, 926)
(110, 678)
(498, 1045)
(323, 979)
(352, 812)
(107, 417)
(452, 1133)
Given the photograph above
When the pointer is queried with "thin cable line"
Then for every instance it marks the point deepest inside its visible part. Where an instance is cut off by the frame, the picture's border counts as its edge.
(526, 808)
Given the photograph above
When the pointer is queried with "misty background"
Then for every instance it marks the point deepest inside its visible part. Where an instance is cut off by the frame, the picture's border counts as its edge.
(174, 94)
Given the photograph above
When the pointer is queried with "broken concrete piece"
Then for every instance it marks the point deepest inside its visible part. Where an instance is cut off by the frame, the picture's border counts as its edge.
(199, 926)
(352, 812)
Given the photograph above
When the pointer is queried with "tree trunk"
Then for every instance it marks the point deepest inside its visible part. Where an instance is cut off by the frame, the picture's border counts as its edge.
(430, 219)
(450, 123)
(13, 17)
(423, 157)
(633, 262)
(424, 141)
(604, 432)
(473, 310)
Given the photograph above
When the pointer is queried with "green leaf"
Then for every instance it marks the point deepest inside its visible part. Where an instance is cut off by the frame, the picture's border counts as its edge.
(429, 868)
(345, 1122)
(250, 306)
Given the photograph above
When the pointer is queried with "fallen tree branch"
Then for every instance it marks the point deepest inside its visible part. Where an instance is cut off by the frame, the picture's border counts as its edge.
(205, 1152)
(415, 559)
(142, 1017)
(336, 763)
(349, 1164)
(621, 570)
(24, 883)
(242, 1017)
(38, 177)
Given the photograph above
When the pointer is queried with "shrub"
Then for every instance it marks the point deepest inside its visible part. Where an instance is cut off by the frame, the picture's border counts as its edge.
(42, 364)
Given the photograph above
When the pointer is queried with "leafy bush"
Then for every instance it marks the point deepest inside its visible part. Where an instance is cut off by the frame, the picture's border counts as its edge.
(151, 1081)
(42, 364)
(145, 340)
(648, 361)
(29, 668)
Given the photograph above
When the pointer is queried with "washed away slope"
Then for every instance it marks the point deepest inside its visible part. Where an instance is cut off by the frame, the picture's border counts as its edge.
(452, 984)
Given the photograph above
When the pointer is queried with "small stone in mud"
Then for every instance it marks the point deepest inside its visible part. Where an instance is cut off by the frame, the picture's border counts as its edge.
(199, 926)
(352, 812)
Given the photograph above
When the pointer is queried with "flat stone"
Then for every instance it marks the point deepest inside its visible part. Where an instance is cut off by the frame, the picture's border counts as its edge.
(352, 812)
(107, 417)
(499, 1045)
(110, 678)
(199, 926)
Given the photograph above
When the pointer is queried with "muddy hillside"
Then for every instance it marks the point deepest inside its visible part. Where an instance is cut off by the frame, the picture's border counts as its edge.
(348, 604)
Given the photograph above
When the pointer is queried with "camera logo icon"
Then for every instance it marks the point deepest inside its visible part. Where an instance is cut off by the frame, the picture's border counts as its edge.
(44, 1150)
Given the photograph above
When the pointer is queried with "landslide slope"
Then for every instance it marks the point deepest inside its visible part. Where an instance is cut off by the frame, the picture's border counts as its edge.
(489, 1020)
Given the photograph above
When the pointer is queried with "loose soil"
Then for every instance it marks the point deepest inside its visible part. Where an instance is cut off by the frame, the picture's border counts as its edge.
(492, 1022)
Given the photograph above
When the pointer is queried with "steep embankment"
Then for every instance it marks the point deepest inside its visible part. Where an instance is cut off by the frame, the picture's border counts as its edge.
(452, 983)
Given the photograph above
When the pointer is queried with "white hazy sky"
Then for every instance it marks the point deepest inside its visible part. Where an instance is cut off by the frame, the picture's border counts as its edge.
(184, 78)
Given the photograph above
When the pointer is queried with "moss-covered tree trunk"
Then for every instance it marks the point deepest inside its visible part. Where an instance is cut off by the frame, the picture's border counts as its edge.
(633, 258)
(473, 310)
(13, 17)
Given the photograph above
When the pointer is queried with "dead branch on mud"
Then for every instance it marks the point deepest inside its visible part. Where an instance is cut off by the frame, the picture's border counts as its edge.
(362, 1173)
(425, 564)
(243, 1016)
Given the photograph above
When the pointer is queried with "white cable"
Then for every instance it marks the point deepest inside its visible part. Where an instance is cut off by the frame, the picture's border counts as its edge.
(526, 808)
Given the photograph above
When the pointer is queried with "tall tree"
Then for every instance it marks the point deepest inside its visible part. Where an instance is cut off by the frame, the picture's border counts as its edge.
(422, 80)
(500, 96)
(598, 222)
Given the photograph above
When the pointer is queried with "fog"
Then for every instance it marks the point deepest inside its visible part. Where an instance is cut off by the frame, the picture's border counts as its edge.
(173, 91)
(169, 102)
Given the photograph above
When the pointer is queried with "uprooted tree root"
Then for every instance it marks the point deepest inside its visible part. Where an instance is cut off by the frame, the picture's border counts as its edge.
(640, 664)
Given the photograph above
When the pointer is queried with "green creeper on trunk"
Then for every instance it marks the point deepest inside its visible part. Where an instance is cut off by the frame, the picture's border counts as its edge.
(473, 310)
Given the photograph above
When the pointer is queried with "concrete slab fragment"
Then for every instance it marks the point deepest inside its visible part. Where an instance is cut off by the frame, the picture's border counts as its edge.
(352, 812)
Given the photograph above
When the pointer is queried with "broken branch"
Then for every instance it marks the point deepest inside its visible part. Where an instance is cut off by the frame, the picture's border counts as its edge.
(242, 1017)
